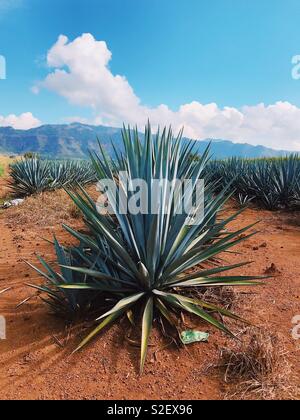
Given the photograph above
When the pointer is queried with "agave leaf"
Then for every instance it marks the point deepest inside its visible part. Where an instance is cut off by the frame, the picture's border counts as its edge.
(213, 281)
(64, 261)
(218, 245)
(112, 237)
(146, 330)
(100, 276)
(177, 300)
(52, 274)
(214, 308)
(108, 320)
(130, 317)
(153, 246)
(43, 289)
(210, 272)
(83, 238)
(164, 311)
(196, 257)
(46, 276)
(100, 287)
(124, 303)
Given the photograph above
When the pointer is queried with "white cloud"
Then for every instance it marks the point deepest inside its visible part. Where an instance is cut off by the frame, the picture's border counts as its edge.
(21, 122)
(81, 74)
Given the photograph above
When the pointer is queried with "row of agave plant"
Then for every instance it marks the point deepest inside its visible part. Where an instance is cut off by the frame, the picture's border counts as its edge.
(35, 175)
(269, 183)
(149, 268)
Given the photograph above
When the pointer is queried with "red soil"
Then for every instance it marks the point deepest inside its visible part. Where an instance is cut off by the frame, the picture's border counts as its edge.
(34, 366)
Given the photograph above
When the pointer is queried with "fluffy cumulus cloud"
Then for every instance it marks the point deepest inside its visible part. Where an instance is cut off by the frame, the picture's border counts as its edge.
(21, 122)
(79, 71)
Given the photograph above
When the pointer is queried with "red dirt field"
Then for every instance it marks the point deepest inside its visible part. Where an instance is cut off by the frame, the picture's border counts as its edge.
(36, 360)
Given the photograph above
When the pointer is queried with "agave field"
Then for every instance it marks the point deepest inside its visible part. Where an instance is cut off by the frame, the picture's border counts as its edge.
(35, 175)
(151, 267)
(146, 267)
(114, 286)
(268, 183)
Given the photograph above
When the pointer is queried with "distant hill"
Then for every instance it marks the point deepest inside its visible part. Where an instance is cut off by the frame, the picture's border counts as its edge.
(74, 141)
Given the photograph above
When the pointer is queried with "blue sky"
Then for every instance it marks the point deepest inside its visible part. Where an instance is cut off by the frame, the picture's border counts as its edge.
(211, 63)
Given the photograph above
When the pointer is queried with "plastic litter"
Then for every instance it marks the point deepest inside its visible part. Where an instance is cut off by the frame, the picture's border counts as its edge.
(190, 337)
(12, 203)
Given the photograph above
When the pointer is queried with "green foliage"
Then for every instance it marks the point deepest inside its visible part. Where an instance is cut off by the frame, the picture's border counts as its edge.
(145, 266)
(68, 304)
(269, 183)
(33, 176)
(1, 170)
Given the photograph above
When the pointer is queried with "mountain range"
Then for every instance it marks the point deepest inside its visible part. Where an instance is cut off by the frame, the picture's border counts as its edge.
(75, 140)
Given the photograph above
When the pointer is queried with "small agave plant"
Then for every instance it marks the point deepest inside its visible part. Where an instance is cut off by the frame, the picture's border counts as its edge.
(150, 265)
(67, 304)
(29, 176)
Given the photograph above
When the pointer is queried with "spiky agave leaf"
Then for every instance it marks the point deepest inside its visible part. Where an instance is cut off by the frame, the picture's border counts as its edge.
(146, 329)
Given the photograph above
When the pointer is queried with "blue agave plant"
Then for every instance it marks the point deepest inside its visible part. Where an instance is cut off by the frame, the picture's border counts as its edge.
(144, 261)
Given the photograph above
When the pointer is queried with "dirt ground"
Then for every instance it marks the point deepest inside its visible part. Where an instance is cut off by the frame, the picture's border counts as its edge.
(36, 360)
